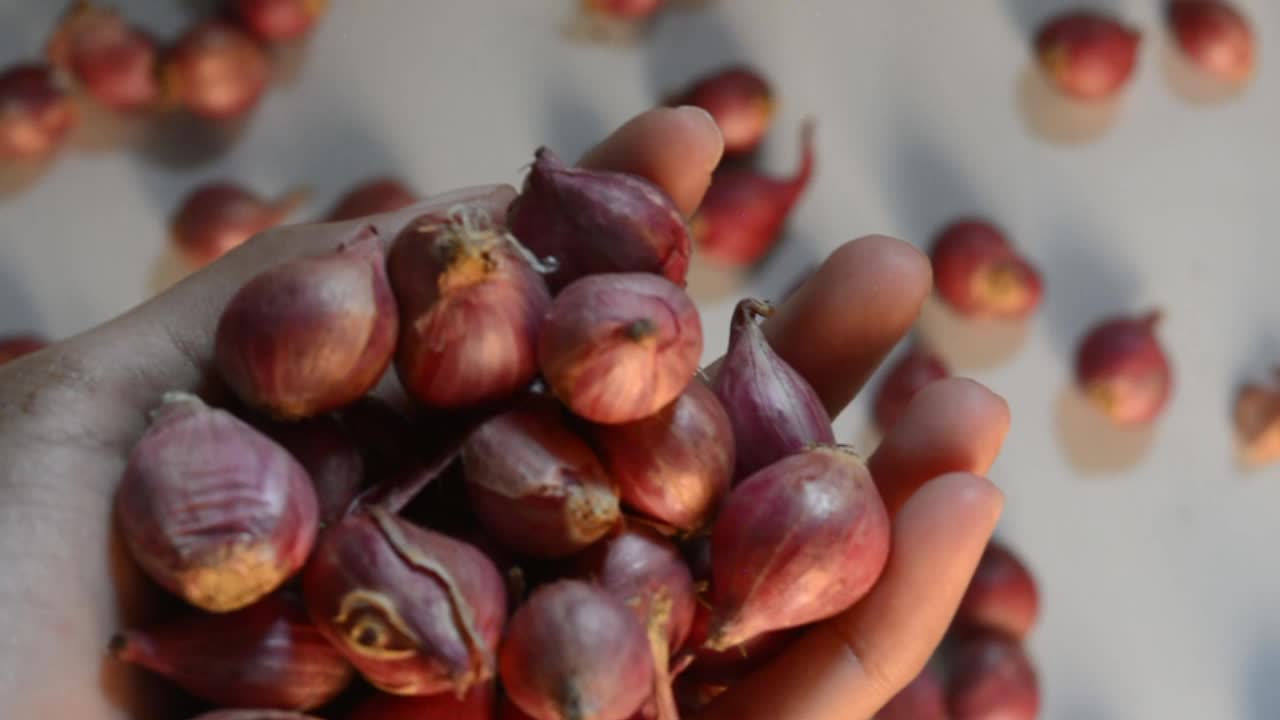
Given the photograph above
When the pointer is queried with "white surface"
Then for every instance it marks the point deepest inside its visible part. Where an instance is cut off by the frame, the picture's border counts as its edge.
(1160, 590)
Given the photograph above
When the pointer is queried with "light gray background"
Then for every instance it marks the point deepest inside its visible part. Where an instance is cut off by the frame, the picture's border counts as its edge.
(1155, 551)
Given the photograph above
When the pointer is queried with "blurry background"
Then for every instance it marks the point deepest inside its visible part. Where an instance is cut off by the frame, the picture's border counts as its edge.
(1151, 547)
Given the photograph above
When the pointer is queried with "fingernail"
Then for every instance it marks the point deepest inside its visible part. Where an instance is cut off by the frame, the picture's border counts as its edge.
(706, 126)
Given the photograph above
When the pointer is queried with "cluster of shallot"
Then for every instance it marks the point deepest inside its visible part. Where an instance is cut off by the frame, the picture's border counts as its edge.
(745, 210)
(982, 671)
(1120, 366)
(217, 70)
(562, 519)
(1090, 56)
(217, 217)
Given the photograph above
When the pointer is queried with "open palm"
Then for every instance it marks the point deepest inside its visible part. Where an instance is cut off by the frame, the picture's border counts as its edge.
(70, 414)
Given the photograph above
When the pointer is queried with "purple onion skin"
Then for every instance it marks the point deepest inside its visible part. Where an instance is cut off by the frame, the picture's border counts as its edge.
(329, 456)
(115, 62)
(372, 197)
(644, 570)
(417, 612)
(675, 466)
(216, 71)
(268, 655)
(478, 704)
(597, 221)
(254, 715)
(1123, 369)
(574, 651)
(797, 542)
(618, 348)
(213, 510)
(311, 335)
(536, 486)
(741, 102)
(472, 306)
(774, 411)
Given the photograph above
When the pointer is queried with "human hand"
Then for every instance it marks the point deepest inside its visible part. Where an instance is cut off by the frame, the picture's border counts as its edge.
(70, 414)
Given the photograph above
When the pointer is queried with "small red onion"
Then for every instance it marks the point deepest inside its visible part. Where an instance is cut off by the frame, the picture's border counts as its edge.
(254, 715)
(574, 652)
(13, 347)
(625, 9)
(774, 411)
(1257, 420)
(372, 197)
(797, 542)
(676, 465)
(472, 306)
(36, 112)
(332, 460)
(596, 221)
(280, 20)
(1087, 55)
(116, 63)
(908, 376)
(267, 655)
(922, 699)
(216, 71)
(478, 704)
(619, 347)
(1123, 370)
(417, 612)
(645, 572)
(311, 335)
(536, 486)
(991, 676)
(741, 102)
(215, 219)
(1002, 594)
(980, 274)
(724, 667)
(212, 509)
(1215, 36)
(744, 211)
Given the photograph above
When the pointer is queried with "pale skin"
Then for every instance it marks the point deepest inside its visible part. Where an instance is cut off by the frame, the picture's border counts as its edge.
(69, 414)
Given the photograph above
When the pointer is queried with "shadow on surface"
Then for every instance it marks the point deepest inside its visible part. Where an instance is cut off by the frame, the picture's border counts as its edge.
(1091, 443)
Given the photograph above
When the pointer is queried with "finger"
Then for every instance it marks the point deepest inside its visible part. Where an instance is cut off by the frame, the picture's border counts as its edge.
(953, 425)
(837, 327)
(674, 148)
(851, 665)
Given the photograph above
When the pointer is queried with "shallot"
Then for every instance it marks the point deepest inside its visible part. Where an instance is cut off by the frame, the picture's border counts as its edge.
(267, 655)
(574, 652)
(979, 273)
(1087, 55)
(1215, 36)
(216, 71)
(774, 411)
(215, 219)
(598, 221)
(619, 347)
(797, 542)
(417, 612)
(213, 510)
(36, 112)
(1123, 370)
(115, 62)
(741, 102)
(744, 211)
